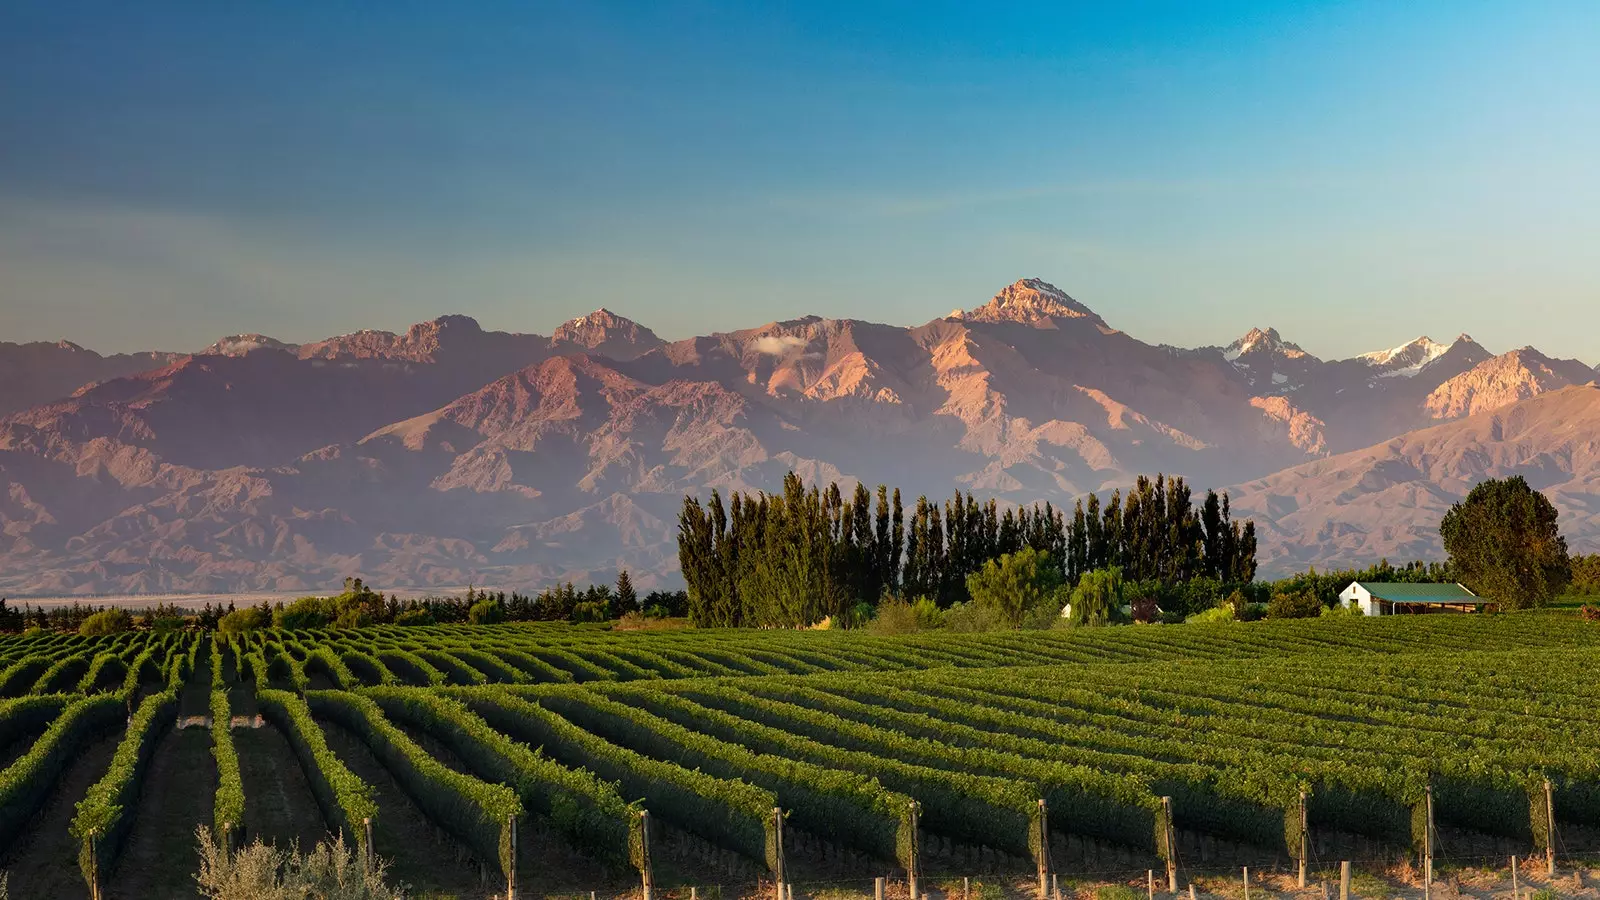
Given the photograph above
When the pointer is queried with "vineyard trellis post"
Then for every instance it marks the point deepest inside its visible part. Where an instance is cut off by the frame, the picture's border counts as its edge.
(94, 866)
(877, 888)
(644, 854)
(914, 870)
(1344, 880)
(1246, 883)
(1304, 832)
(1171, 837)
(779, 870)
(1549, 829)
(1044, 848)
(511, 870)
(1515, 890)
(367, 851)
(1427, 849)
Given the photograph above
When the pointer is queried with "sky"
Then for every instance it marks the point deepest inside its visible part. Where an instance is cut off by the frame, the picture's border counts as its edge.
(1354, 174)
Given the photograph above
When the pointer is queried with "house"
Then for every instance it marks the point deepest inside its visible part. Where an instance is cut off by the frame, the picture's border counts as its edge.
(1380, 598)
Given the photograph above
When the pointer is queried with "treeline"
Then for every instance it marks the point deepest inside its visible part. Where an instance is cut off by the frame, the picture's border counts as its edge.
(792, 558)
(359, 605)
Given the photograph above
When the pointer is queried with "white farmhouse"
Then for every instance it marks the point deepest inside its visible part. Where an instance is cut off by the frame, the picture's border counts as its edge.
(1382, 598)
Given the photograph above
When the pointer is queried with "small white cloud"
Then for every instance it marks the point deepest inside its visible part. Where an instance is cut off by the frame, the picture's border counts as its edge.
(777, 345)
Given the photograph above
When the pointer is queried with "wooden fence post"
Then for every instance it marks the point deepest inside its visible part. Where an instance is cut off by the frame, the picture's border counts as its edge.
(511, 871)
(1044, 848)
(778, 868)
(1427, 846)
(368, 855)
(877, 888)
(1550, 829)
(1515, 891)
(1344, 880)
(1246, 883)
(645, 873)
(1150, 882)
(913, 871)
(1172, 848)
(1304, 831)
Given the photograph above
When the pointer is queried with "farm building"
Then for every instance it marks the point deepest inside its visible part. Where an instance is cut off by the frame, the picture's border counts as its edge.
(1378, 598)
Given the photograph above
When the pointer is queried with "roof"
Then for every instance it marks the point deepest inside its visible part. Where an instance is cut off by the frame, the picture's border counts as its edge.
(1400, 592)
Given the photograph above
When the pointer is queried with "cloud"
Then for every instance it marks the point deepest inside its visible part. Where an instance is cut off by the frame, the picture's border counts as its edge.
(777, 345)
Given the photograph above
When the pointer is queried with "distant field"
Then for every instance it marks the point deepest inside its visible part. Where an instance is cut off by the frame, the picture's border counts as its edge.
(927, 752)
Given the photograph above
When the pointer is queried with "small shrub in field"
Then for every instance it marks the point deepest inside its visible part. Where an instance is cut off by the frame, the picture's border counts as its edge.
(109, 621)
(896, 616)
(258, 871)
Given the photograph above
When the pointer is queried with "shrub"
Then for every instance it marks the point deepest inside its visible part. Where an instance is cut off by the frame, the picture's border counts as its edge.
(307, 612)
(1223, 613)
(107, 621)
(259, 871)
(412, 617)
(896, 616)
(485, 612)
(1294, 605)
(1011, 585)
(1096, 598)
(240, 620)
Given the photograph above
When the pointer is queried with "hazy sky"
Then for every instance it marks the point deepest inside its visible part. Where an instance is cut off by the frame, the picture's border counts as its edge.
(1355, 174)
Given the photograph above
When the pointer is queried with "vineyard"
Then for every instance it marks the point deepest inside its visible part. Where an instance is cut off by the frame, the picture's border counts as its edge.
(568, 759)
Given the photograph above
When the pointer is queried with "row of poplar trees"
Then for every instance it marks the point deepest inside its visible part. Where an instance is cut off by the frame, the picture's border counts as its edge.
(791, 558)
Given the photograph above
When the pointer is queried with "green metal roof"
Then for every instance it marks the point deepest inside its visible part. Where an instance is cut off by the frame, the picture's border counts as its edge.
(1399, 592)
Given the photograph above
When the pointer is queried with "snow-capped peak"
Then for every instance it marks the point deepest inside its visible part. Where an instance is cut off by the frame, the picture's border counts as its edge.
(1032, 301)
(1257, 340)
(242, 344)
(1407, 359)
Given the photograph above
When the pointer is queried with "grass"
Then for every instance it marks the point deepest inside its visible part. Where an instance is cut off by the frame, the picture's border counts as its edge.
(979, 890)
(1369, 886)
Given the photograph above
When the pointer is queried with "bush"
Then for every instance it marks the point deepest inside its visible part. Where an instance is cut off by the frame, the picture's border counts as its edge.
(974, 616)
(1096, 598)
(1294, 605)
(108, 621)
(1341, 610)
(240, 620)
(1012, 585)
(485, 612)
(258, 871)
(1223, 613)
(412, 617)
(306, 612)
(896, 616)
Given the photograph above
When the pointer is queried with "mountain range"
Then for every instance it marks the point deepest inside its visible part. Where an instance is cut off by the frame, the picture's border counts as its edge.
(450, 454)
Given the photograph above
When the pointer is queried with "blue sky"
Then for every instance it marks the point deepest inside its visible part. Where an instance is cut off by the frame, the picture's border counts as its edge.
(1355, 174)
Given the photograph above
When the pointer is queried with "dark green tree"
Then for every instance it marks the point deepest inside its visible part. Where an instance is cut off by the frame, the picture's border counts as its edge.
(627, 597)
(1505, 544)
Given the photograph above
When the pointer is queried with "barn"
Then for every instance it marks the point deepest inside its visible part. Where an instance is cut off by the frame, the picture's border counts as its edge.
(1380, 598)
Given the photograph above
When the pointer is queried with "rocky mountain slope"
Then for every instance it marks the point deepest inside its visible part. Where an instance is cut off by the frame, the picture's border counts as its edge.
(38, 372)
(449, 454)
(1387, 500)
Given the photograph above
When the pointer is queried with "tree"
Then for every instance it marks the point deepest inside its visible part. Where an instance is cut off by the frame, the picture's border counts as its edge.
(1302, 604)
(240, 620)
(627, 597)
(485, 612)
(1014, 584)
(109, 621)
(1505, 545)
(1098, 594)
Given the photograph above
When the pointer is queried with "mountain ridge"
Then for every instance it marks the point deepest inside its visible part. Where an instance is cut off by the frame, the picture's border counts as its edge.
(447, 453)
